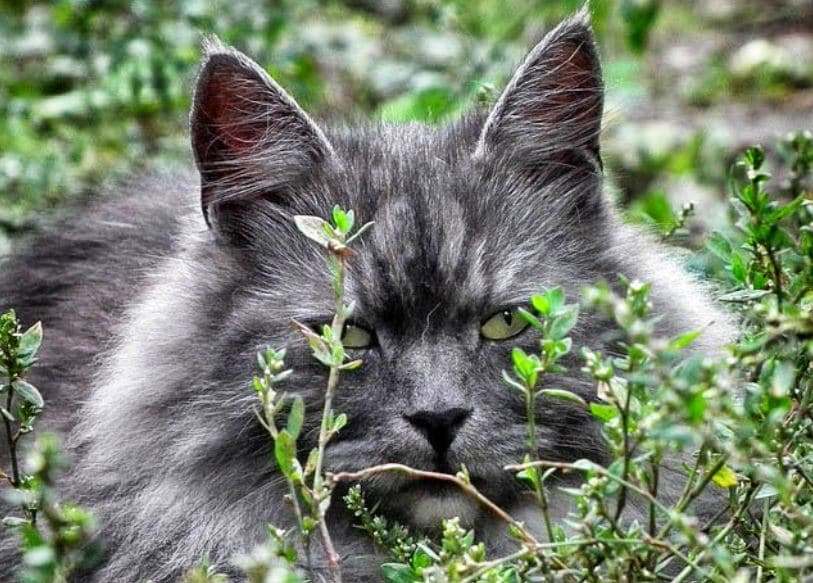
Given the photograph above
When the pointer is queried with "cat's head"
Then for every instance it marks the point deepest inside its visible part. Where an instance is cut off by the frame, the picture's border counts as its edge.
(470, 218)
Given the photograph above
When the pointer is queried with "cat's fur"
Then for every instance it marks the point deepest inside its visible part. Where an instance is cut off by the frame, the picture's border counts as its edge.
(153, 311)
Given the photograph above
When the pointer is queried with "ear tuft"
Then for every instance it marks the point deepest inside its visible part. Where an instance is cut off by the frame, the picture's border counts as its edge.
(249, 137)
(555, 100)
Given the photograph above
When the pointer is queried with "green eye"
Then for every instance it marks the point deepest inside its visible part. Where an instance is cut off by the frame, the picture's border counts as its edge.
(503, 325)
(356, 337)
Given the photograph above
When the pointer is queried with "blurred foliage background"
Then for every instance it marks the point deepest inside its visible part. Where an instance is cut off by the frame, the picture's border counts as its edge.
(91, 89)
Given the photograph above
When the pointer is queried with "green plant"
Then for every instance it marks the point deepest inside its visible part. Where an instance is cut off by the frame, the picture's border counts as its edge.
(54, 536)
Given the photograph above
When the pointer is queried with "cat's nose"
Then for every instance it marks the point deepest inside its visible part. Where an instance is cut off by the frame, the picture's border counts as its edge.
(439, 427)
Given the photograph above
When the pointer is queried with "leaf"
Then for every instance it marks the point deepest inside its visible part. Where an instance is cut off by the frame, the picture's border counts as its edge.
(719, 246)
(31, 340)
(564, 321)
(296, 417)
(513, 384)
(40, 556)
(684, 340)
(562, 394)
(14, 521)
(339, 422)
(313, 228)
(285, 452)
(604, 411)
(585, 464)
(541, 304)
(744, 295)
(28, 392)
(766, 491)
(398, 573)
(725, 478)
(341, 219)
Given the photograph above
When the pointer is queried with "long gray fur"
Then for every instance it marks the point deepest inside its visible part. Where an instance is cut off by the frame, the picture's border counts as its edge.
(153, 316)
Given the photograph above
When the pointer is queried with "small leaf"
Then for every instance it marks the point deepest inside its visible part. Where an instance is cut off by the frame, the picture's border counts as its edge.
(352, 365)
(285, 452)
(339, 422)
(684, 340)
(725, 478)
(28, 392)
(14, 521)
(513, 384)
(603, 411)
(313, 228)
(744, 295)
(766, 491)
(296, 417)
(398, 573)
(541, 304)
(719, 246)
(30, 340)
(564, 321)
(562, 394)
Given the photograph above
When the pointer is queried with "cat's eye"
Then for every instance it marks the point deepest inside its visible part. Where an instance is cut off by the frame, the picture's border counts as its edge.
(357, 337)
(503, 325)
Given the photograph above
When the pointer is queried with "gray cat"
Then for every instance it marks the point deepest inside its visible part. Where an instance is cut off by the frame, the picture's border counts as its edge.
(154, 310)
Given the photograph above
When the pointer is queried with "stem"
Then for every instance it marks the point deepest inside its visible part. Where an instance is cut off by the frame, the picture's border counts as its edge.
(622, 495)
(337, 328)
(533, 447)
(12, 442)
(762, 532)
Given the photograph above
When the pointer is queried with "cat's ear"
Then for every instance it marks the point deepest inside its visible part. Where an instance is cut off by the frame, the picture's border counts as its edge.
(555, 100)
(249, 137)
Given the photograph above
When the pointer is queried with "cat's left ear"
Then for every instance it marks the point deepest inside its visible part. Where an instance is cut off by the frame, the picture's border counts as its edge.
(555, 100)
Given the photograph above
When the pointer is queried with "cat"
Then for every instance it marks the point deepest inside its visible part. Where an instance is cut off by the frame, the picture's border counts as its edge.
(156, 297)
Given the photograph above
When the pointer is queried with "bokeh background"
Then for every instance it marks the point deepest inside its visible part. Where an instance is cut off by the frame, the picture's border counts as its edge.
(94, 89)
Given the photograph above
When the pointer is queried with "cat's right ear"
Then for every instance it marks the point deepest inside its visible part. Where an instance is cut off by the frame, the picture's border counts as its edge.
(249, 137)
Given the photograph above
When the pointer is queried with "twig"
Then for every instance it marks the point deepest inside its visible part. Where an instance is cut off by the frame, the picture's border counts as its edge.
(466, 486)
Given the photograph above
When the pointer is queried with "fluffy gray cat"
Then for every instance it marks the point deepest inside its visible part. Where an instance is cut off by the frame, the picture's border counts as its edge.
(154, 310)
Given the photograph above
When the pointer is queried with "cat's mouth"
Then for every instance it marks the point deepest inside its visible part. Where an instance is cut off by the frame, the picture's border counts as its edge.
(426, 502)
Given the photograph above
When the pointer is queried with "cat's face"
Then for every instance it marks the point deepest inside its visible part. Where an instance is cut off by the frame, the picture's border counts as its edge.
(470, 220)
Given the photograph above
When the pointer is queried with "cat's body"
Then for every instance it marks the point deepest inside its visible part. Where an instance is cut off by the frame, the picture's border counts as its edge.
(153, 313)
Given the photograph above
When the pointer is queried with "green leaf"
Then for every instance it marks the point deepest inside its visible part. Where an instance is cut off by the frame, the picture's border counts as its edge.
(541, 304)
(526, 366)
(684, 340)
(563, 395)
(585, 464)
(296, 417)
(285, 452)
(398, 573)
(339, 422)
(719, 246)
(564, 321)
(604, 411)
(31, 340)
(340, 219)
(725, 478)
(28, 392)
(313, 228)
(513, 384)
(744, 295)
